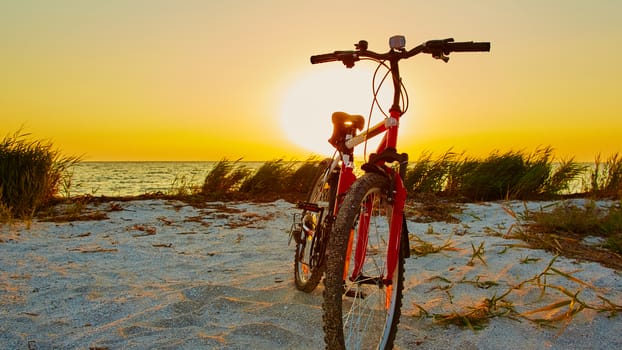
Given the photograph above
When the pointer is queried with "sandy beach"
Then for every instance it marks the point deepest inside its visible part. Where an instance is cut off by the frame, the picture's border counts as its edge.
(161, 274)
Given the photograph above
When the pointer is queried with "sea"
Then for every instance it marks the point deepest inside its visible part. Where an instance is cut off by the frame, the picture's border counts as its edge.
(136, 178)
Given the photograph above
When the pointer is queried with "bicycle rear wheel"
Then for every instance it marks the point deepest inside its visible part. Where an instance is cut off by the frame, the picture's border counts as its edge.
(314, 229)
(362, 311)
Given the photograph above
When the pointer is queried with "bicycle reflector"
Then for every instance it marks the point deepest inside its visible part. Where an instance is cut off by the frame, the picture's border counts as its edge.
(397, 42)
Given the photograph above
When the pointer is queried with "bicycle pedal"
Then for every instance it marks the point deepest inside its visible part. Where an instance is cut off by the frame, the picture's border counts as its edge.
(308, 206)
(296, 235)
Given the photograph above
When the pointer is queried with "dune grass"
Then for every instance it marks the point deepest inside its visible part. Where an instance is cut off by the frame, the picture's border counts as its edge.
(606, 178)
(509, 175)
(290, 180)
(224, 179)
(31, 173)
(429, 175)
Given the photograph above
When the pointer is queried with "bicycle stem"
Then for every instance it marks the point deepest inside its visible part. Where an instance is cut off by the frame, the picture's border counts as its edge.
(397, 82)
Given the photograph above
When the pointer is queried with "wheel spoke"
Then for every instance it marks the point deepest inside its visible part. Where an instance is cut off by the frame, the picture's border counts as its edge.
(367, 308)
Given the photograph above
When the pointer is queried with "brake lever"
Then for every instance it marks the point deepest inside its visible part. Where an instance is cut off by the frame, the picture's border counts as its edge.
(349, 59)
(440, 56)
(435, 47)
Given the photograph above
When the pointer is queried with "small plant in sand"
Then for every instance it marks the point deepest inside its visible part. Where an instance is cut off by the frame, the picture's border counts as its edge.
(76, 209)
(183, 186)
(563, 229)
(420, 247)
(567, 305)
(429, 208)
(477, 316)
(30, 174)
(570, 304)
(478, 253)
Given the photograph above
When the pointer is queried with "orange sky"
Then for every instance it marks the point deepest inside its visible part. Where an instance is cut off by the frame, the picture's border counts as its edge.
(203, 80)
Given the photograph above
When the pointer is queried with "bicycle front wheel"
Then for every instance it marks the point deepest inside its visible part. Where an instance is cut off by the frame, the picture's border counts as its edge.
(362, 309)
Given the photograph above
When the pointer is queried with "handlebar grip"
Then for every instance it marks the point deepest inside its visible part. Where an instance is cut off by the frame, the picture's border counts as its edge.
(327, 57)
(468, 46)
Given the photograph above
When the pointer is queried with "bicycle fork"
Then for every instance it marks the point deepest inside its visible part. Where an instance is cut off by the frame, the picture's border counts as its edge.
(398, 233)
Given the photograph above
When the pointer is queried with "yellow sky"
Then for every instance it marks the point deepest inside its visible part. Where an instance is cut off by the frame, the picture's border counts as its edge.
(203, 80)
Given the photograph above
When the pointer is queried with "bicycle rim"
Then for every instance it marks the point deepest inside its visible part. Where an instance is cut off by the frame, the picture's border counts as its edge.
(362, 312)
(310, 249)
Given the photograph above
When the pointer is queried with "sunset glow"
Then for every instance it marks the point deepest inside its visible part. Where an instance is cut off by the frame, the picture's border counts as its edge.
(203, 80)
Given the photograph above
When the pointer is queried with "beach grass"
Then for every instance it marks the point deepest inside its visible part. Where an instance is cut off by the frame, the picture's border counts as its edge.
(431, 175)
(31, 173)
(511, 175)
(606, 177)
(500, 176)
(224, 179)
(278, 178)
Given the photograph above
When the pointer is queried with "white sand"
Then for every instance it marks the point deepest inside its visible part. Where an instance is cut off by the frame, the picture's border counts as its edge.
(162, 274)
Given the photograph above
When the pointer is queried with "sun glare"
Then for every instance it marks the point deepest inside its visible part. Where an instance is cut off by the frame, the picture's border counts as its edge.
(308, 104)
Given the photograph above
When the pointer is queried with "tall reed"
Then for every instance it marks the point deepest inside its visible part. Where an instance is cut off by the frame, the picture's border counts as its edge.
(566, 172)
(606, 178)
(30, 174)
(510, 175)
(224, 179)
(230, 180)
(428, 175)
(272, 178)
(300, 180)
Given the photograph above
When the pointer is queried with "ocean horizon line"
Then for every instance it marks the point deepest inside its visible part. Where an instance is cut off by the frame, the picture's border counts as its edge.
(183, 161)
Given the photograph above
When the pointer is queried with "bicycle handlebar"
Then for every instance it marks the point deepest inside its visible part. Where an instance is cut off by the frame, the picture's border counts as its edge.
(469, 46)
(437, 48)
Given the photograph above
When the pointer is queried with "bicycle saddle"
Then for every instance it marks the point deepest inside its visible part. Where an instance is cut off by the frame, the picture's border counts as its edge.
(344, 124)
(343, 119)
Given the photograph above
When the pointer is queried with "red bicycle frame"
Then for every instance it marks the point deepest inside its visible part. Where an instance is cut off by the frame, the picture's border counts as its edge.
(347, 177)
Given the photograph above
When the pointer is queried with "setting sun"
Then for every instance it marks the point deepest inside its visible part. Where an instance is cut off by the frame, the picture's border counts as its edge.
(206, 80)
(307, 106)
(310, 101)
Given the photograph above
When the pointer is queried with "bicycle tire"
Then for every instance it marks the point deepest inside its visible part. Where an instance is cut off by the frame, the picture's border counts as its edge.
(346, 303)
(310, 249)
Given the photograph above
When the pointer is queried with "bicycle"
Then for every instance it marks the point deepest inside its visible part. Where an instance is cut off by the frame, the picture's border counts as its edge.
(353, 230)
